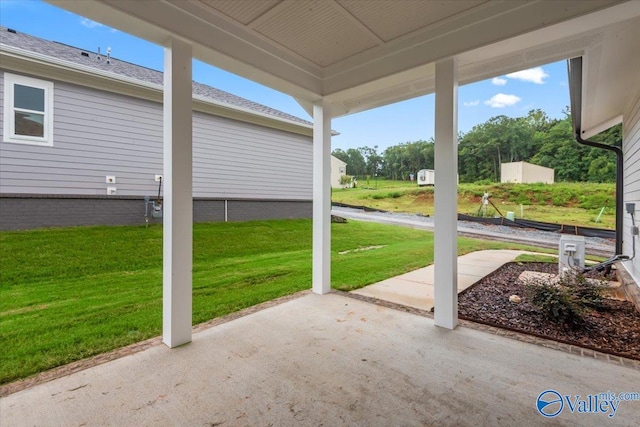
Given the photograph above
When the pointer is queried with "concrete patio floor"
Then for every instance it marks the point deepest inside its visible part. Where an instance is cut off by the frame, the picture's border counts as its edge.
(327, 360)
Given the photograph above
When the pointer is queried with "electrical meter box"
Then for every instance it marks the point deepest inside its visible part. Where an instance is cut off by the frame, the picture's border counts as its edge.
(571, 255)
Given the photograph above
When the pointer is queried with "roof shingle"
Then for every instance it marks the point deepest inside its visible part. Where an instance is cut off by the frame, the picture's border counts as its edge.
(127, 69)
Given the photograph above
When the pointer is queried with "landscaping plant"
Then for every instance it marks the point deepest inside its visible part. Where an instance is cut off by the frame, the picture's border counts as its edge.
(565, 299)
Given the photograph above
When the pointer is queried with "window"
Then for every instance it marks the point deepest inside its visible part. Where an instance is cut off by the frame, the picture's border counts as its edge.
(28, 110)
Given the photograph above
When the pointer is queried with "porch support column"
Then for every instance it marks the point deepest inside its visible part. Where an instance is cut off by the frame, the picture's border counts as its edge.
(321, 280)
(446, 196)
(178, 195)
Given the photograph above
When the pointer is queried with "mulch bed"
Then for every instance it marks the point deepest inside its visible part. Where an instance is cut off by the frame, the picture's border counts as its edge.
(614, 330)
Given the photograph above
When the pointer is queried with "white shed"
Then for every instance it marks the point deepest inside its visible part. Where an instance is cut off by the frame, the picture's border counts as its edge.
(525, 173)
(338, 168)
(426, 177)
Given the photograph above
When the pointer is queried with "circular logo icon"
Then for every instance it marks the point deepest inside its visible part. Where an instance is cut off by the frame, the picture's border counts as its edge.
(550, 403)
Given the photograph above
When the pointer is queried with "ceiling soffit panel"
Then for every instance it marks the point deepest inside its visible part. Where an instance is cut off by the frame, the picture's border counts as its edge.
(469, 31)
(389, 20)
(244, 12)
(610, 69)
(317, 30)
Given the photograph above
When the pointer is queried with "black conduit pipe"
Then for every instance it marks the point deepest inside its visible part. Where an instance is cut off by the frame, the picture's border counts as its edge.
(574, 68)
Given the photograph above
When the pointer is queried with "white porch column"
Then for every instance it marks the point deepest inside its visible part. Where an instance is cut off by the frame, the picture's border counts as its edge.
(446, 196)
(178, 196)
(321, 281)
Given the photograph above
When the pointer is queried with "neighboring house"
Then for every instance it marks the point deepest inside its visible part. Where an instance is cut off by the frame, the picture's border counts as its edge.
(81, 143)
(338, 168)
(525, 173)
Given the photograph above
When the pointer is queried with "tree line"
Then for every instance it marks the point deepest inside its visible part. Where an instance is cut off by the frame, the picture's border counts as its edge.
(534, 138)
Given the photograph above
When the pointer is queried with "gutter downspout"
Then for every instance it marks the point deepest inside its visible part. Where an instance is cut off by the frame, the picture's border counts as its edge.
(574, 66)
(619, 184)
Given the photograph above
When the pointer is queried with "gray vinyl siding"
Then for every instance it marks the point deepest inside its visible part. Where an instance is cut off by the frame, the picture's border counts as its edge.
(99, 133)
(245, 161)
(631, 148)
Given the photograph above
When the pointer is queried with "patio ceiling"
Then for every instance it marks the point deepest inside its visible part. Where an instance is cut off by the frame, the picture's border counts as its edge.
(361, 54)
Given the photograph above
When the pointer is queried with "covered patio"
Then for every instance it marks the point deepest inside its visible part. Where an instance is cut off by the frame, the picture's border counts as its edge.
(336, 361)
(324, 358)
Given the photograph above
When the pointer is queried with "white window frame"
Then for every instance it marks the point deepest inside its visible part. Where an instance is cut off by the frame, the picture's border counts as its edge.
(9, 134)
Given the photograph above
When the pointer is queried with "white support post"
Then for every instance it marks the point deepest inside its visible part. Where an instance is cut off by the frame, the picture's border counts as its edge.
(321, 280)
(446, 196)
(178, 196)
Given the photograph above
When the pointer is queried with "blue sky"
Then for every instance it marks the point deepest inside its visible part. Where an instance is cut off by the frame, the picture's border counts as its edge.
(512, 95)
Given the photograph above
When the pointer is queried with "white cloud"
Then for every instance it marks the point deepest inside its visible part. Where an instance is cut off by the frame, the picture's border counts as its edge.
(499, 81)
(533, 75)
(502, 100)
(89, 23)
(471, 103)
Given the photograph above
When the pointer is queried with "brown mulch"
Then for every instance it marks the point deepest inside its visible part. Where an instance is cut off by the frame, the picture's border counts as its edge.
(613, 330)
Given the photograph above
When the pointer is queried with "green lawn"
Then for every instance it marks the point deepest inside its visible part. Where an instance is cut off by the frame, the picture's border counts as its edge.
(70, 293)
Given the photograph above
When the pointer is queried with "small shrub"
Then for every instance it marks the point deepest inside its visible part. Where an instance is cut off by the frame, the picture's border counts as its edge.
(562, 197)
(565, 300)
(554, 303)
(597, 201)
(588, 293)
(395, 194)
(346, 180)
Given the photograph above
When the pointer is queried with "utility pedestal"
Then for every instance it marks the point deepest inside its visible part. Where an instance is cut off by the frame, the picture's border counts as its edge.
(571, 255)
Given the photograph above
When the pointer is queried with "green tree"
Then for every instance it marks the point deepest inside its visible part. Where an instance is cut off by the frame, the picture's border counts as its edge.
(340, 154)
(356, 163)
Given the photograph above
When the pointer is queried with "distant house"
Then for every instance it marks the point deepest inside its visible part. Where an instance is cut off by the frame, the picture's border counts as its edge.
(525, 173)
(82, 143)
(338, 168)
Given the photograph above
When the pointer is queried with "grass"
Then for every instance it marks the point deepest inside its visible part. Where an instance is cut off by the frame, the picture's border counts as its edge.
(564, 203)
(70, 293)
(535, 258)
